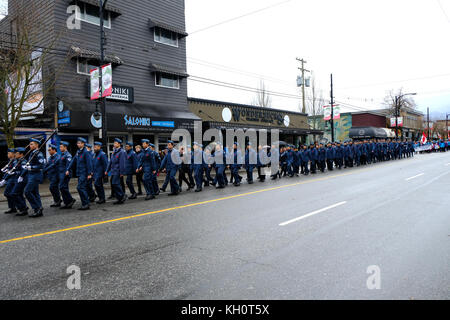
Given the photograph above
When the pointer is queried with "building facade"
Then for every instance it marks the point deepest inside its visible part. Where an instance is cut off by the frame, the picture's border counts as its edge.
(146, 45)
(293, 126)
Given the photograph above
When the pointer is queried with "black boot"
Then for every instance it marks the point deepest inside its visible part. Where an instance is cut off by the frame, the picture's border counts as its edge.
(37, 213)
(11, 211)
(68, 206)
(101, 201)
(84, 208)
(133, 196)
(22, 213)
(149, 197)
(56, 205)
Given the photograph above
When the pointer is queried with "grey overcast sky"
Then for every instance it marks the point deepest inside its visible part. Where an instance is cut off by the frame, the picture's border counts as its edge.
(370, 47)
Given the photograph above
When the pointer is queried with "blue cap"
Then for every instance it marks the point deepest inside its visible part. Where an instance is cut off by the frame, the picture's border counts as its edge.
(11, 150)
(237, 144)
(145, 141)
(171, 142)
(20, 150)
(195, 143)
(130, 144)
(118, 140)
(98, 143)
(152, 145)
(52, 146)
(64, 143)
(35, 140)
(82, 140)
(89, 145)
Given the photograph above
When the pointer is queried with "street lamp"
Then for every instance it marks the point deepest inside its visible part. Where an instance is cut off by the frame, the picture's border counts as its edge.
(397, 109)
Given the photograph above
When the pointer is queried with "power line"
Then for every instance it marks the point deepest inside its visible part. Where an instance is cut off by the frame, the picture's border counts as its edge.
(443, 10)
(241, 16)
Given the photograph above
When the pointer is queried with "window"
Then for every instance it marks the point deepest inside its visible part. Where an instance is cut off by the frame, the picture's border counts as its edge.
(167, 81)
(90, 14)
(84, 67)
(166, 37)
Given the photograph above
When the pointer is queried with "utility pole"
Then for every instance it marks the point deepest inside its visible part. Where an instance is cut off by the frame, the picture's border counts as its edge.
(104, 131)
(332, 110)
(303, 70)
(396, 116)
(428, 122)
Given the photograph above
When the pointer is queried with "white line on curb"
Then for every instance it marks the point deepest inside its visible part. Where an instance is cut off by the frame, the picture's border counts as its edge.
(312, 213)
(419, 175)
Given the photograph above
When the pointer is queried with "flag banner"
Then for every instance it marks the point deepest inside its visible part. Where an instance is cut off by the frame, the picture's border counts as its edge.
(398, 123)
(107, 80)
(336, 112)
(423, 148)
(424, 138)
(327, 113)
(95, 84)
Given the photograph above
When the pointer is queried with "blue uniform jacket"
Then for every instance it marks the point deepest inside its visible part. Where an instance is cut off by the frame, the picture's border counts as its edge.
(171, 161)
(331, 153)
(64, 161)
(100, 164)
(148, 161)
(83, 161)
(131, 162)
(116, 166)
(51, 169)
(314, 154)
(322, 154)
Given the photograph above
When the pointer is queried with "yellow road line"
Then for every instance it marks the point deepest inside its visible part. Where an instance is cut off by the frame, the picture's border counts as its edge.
(179, 207)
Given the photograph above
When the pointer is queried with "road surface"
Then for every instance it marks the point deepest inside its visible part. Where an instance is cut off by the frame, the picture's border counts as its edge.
(373, 232)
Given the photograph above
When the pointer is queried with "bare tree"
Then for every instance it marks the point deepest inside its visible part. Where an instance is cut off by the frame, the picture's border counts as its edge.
(26, 79)
(263, 98)
(402, 101)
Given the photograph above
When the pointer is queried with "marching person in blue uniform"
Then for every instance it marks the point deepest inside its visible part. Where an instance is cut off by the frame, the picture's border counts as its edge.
(84, 171)
(250, 162)
(170, 164)
(90, 188)
(116, 169)
(158, 164)
(306, 158)
(322, 157)
(21, 179)
(51, 170)
(130, 168)
(149, 167)
(330, 155)
(35, 165)
(10, 181)
(220, 165)
(198, 164)
(139, 174)
(100, 168)
(339, 155)
(236, 164)
(64, 161)
(314, 157)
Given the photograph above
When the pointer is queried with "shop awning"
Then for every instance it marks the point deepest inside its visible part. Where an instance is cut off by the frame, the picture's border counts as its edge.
(168, 70)
(125, 116)
(368, 133)
(108, 7)
(154, 23)
(292, 131)
(77, 52)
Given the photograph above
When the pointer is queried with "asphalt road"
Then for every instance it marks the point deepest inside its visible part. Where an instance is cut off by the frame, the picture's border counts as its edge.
(299, 238)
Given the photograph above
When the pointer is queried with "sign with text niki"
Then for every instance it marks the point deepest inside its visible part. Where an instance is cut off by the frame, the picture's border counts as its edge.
(106, 82)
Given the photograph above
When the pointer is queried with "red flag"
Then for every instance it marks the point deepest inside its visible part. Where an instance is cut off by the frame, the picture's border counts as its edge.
(424, 138)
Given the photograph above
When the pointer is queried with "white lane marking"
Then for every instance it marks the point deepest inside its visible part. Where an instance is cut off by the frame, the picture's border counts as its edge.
(419, 175)
(312, 213)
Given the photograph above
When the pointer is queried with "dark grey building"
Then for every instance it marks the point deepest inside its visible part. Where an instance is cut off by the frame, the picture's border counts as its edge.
(146, 45)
